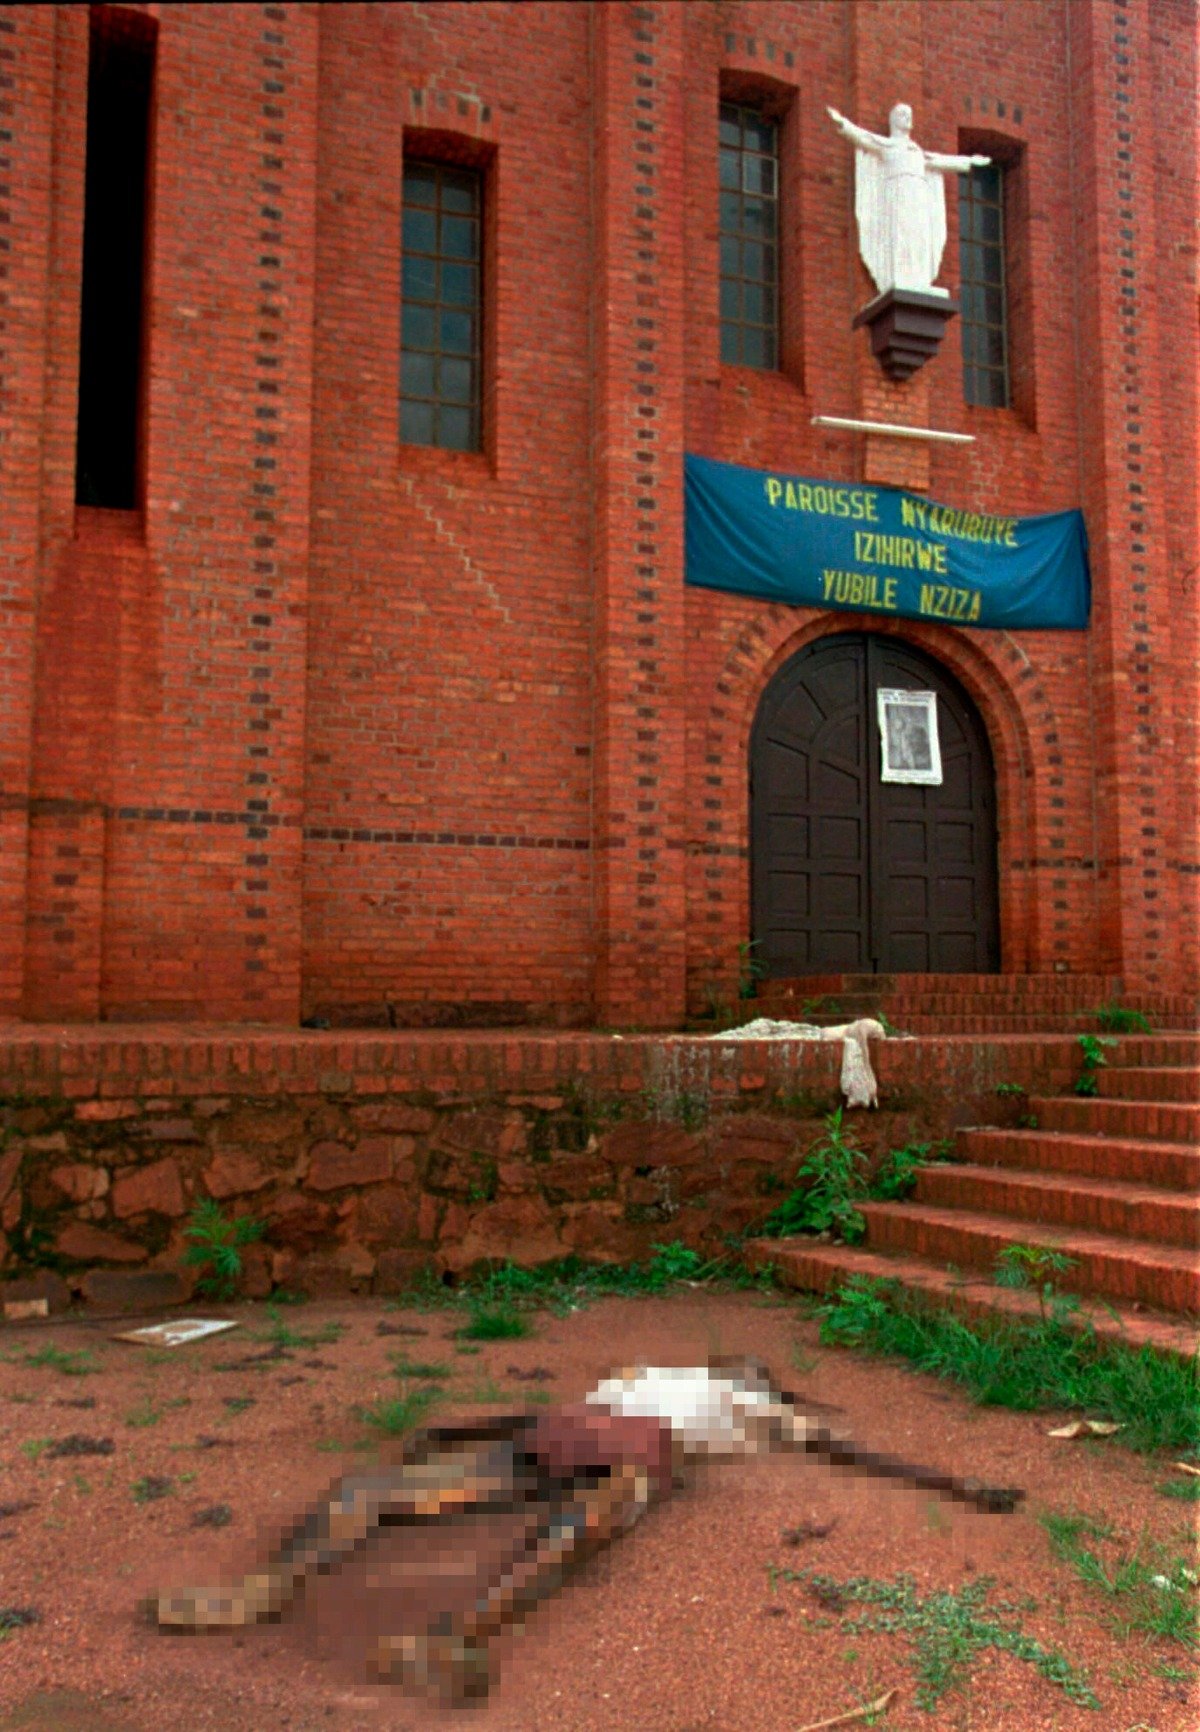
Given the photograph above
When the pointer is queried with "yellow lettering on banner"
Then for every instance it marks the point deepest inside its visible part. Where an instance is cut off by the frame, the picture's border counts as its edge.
(941, 601)
(901, 550)
(962, 525)
(856, 502)
(859, 589)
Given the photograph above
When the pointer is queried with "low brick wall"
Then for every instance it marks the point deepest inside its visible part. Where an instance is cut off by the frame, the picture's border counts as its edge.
(373, 1158)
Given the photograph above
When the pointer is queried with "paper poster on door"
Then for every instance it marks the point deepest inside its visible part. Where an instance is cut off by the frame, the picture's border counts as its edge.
(908, 732)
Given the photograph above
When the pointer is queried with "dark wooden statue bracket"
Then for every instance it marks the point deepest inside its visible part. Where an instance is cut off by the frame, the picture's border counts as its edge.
(906, 328)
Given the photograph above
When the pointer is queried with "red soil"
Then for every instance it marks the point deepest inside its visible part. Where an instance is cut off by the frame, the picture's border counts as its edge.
(675, 1629)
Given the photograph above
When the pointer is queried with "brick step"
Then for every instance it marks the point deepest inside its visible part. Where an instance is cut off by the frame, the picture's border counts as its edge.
(1097, 1116)
(1133, 1270)
(812, 985)
(1173, 1166)
(1118, 1206)
(851, 1005)
(1156, 1050)
(1033, 1016)
(1013, 1004)
(942, 1004)
(983, 1022)
(814, 1268)
(1155, 1083)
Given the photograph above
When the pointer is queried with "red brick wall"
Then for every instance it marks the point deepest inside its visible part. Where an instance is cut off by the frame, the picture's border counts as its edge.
(341, 727)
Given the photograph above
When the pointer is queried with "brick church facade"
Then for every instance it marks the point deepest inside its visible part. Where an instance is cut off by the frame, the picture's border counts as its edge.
(348, 667)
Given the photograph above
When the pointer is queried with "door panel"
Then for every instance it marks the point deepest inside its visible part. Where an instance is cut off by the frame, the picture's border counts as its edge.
(852, 875)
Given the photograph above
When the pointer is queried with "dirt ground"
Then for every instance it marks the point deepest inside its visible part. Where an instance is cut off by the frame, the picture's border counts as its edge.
(679, 1627)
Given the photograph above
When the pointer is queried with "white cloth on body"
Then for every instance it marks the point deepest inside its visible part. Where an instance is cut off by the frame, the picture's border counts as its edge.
(704, 1410)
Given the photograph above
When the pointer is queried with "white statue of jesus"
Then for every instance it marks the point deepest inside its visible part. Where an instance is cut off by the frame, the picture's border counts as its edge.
(900, 202)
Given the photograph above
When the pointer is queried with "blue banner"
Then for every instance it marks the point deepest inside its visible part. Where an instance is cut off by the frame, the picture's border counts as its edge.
(876, 550)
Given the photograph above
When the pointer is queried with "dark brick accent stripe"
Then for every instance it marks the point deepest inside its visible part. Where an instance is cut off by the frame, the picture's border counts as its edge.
(1147, 742)
(444, 839)
(263, 487)
(277, 820)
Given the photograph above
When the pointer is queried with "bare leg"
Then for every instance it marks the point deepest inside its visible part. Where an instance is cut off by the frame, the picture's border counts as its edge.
(456, 1482)
(804, 1433)
(787, 1421)
(451, 1659)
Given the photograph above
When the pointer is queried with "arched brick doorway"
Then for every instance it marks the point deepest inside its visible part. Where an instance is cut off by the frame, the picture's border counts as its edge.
(850, 874)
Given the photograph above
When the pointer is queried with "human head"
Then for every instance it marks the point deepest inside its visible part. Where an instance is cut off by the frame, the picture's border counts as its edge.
(900, 119)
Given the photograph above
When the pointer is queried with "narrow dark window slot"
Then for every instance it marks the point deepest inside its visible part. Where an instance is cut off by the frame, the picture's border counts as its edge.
(112, 313)
(983, 291)
(441, 342)
(749, 215)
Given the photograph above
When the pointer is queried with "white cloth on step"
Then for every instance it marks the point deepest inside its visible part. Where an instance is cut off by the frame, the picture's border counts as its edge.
(858, 1079)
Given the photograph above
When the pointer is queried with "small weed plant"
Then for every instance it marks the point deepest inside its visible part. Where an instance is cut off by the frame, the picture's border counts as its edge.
(428, 1371)
(283, 1336)
(1092, 1047)
(947, 1630)
(1183, 1490)
(152, 1487)
(750, 969)
(1043, 1363)
(896, 1177)
(217, 1247)
(835, 1167)
(1115, 1018)
(403, 1413)
(145, 1413)
(1037, 1266)
(17, 1618)
(835, 1170)
(496, 1322)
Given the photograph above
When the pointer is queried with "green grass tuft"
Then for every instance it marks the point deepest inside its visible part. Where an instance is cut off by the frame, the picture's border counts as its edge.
(569, 1283)
(1042, 1363)
(1185, 1490)
(79, 1364)
(430, 1370)
(1148, 1591)
(282, 1335)
(496, 1323)
(402, 1414)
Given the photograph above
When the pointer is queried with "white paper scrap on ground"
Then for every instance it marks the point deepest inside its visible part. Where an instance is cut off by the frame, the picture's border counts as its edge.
(176, 1334)
(15, 1310)
(858, 1079)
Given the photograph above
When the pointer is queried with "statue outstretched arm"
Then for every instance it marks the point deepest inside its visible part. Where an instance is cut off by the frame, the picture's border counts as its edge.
(856, 134)
(954, 164)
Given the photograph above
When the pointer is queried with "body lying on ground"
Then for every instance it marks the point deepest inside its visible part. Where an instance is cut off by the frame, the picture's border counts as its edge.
(581, 1475)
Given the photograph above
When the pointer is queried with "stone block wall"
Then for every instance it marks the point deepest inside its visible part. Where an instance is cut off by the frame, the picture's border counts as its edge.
(371, 1161)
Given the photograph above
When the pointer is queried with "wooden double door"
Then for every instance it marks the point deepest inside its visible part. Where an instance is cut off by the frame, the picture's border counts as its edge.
(851, 874)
